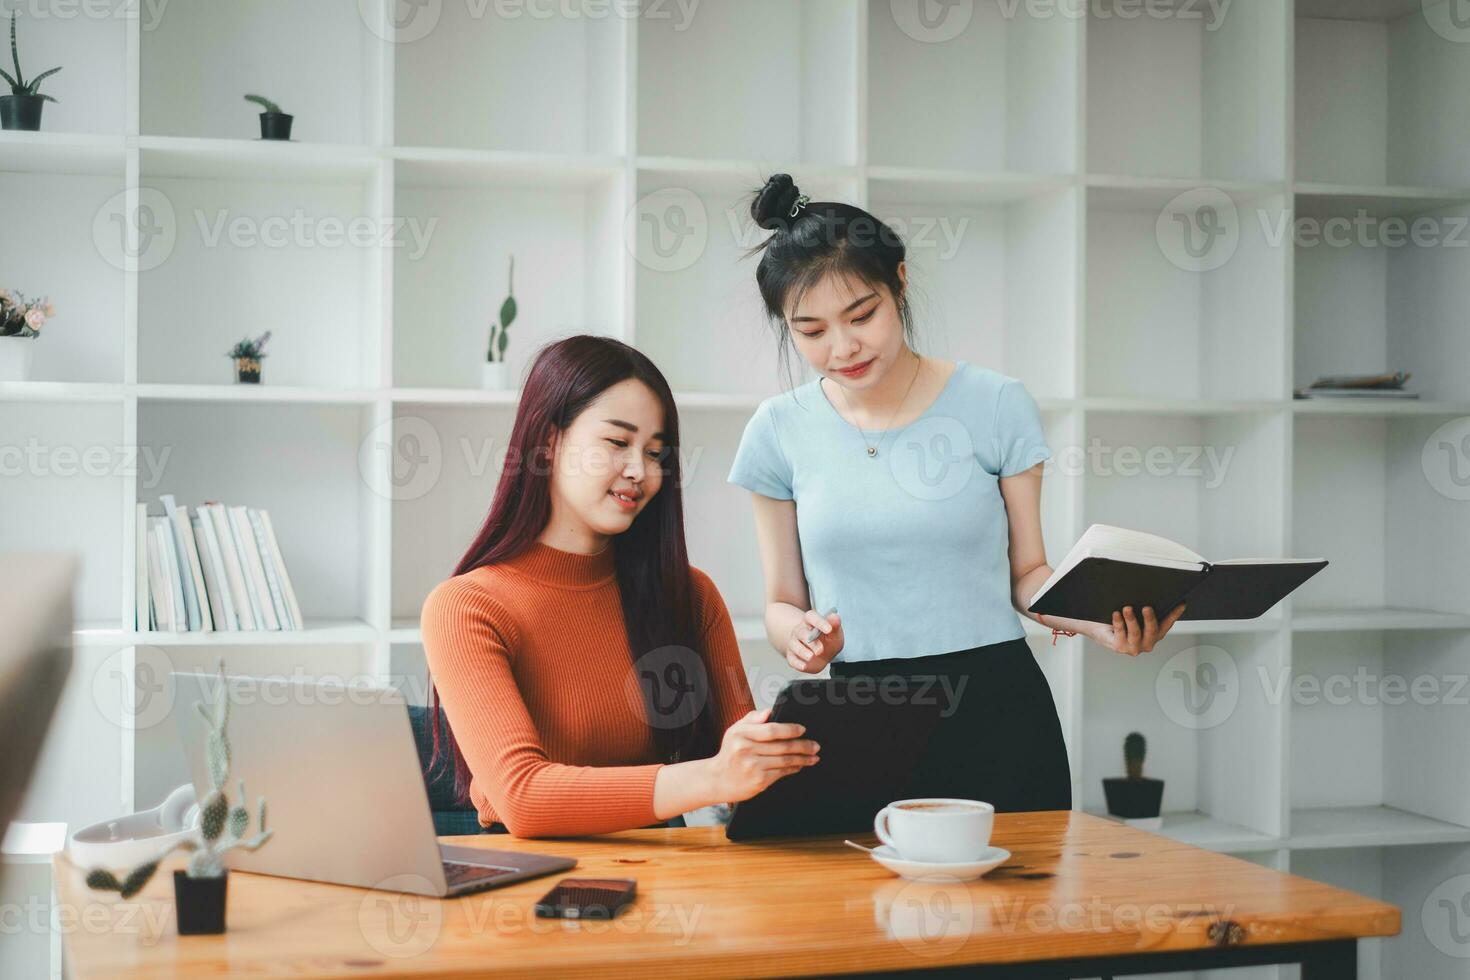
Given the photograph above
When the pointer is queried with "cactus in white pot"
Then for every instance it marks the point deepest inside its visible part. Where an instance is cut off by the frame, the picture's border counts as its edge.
(199, 891)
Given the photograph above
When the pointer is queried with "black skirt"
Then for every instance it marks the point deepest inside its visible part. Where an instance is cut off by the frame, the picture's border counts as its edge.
(998, 738)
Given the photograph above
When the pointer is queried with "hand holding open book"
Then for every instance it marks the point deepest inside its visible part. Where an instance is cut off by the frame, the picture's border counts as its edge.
(1112, 567)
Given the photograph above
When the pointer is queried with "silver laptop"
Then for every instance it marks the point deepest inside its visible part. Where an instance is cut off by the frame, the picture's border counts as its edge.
(340, 774)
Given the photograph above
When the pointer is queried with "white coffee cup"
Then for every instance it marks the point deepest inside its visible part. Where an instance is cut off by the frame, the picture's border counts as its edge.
(936, 829)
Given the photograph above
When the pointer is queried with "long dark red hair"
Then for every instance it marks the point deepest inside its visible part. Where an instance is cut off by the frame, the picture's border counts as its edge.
(650, 558)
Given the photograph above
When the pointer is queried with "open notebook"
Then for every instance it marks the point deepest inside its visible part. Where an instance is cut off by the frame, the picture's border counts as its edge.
(1112, 567)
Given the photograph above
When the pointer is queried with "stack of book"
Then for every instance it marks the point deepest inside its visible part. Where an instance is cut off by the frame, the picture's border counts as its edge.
(1359, 386)
(219, 569)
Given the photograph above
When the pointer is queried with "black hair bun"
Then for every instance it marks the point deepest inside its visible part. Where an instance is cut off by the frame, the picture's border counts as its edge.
(771, 208)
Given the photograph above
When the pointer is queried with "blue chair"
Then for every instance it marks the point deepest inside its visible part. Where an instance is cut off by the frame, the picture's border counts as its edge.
(451, 817)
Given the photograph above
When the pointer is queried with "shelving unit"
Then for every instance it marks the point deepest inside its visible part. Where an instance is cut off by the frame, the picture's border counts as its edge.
(1045, 170)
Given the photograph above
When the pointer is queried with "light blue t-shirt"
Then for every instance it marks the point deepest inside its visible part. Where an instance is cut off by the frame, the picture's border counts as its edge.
(911, 545)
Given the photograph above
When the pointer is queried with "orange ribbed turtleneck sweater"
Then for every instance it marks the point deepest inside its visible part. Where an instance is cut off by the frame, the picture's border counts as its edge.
(533, 669)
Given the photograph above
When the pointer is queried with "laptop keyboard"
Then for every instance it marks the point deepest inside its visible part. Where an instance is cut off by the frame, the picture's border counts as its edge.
(460, 873)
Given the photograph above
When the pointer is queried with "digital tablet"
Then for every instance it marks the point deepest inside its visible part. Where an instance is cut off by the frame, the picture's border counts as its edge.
(873, 731)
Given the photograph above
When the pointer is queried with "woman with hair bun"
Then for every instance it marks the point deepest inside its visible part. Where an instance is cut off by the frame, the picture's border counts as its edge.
(905, 492)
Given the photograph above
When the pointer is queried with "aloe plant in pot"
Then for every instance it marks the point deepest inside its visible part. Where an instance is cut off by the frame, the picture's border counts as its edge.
(199, 891)
(21, 109)
(274, 124)
(1135, 797)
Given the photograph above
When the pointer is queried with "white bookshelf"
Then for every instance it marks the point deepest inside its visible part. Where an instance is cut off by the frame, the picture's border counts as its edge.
(1030, 161)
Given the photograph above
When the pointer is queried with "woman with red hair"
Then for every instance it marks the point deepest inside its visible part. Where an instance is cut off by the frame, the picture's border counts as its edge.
(589, 674)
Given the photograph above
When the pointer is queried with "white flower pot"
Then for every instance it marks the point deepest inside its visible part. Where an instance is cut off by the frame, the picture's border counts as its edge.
(494, 376)
(15, 357)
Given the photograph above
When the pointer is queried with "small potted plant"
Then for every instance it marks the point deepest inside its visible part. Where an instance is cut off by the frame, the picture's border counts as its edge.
(20, 323)
(494, 373)
(1134, 797)
(199, 891)
(274, 124)
(247, 354)
(21, 109)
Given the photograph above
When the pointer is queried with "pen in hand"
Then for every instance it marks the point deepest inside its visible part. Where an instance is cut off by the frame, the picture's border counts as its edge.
(816, 630)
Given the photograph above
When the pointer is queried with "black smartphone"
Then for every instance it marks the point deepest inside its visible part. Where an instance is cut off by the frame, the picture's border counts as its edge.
(586, 898)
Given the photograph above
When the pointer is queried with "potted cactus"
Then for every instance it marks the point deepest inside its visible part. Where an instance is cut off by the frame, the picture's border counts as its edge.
(274, 124)
(247, 354)
(494, 373)
(1135, 797)
(21, 109)
(199, 891)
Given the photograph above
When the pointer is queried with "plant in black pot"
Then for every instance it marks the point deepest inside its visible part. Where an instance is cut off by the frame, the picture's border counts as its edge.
(21, 109)
(247, 354)
(274, 124)
(1135, 797)
(199, 891)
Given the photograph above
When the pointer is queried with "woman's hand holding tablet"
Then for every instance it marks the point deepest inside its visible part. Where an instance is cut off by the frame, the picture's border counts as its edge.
(755, 752)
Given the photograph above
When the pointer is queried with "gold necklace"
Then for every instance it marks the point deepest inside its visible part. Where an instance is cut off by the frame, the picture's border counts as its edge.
(873, 450)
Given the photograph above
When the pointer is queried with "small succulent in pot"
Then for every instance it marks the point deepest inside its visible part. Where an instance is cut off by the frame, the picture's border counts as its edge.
(21, 109)
(274, 124)
(199, 891)
(247, 354)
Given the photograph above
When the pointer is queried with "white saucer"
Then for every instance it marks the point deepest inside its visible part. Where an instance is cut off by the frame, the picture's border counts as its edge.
(990, 858)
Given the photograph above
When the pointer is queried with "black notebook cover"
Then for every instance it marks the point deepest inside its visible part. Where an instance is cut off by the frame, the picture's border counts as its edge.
(1097, 587)
(1246, 591)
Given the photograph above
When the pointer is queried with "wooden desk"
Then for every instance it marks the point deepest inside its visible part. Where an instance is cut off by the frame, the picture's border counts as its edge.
(1081, 896)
